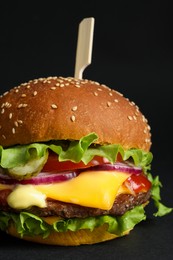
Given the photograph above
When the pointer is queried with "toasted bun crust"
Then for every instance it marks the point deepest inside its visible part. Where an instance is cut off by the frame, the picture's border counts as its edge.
(57, 108)
(70, 238)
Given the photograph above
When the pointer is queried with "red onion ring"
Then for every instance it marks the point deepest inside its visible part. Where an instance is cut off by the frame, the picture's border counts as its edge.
(48, 178)
(118, 166)
(41, 178)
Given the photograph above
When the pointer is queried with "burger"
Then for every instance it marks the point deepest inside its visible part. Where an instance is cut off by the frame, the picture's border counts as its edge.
(74, 163)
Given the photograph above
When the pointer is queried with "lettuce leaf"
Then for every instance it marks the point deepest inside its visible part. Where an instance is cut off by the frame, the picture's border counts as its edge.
(83, 150)
(29, 224)
(155, 195)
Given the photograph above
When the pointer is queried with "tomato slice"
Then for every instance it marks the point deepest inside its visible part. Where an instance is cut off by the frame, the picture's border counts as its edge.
(53, 164)
(138, 183)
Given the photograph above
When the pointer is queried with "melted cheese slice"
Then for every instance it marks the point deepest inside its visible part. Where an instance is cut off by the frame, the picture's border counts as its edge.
(91, 189)
(96, 189)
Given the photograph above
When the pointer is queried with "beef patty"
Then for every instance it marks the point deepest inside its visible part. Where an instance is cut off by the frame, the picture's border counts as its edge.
(122, 203)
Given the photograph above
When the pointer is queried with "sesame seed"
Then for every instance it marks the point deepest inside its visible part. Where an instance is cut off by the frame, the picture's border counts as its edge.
(13, 130)
(5, 93)
(60, 80)
(28, 86)
(108, 104)
(144, 119)
(116, 100)
(69, 79)
(137, 113)
(10, 115)
(120, 94)
(76, 80)
(74, 108)
(99, 89)
(20, 121)
(137, 108)
(4, 136)
(130, 118)
(53, 88)
(95, 94)
(34, 93)
(23, 95)
(110, 93)
(7, 104)
(132, 103)
(96, 83)
(22, 105)
(16, 90)
(16, 124)
(77, 85)
(73, 118)
(61, 85)
(2, 111)
(83, 82)
(54, 106)
(104, 86)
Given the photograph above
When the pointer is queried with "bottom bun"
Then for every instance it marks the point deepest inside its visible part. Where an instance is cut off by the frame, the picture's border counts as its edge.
(70, 238)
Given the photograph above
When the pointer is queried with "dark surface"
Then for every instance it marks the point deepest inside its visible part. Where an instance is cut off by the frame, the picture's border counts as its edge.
(150, 240)
(133, 53)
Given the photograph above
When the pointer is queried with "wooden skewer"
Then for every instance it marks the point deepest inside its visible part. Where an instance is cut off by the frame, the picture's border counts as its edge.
(84, 46)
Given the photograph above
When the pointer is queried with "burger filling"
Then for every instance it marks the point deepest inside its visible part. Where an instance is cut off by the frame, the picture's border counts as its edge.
(83, 184)
(122, 204)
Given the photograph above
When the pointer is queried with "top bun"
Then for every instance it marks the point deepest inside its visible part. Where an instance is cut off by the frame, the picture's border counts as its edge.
(57, 108)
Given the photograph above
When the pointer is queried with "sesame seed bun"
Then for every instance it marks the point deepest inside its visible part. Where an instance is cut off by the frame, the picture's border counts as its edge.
(57, 108)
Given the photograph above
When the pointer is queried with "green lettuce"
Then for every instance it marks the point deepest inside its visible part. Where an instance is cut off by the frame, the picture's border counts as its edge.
(83, 150)
(155, 195)
(28, 224)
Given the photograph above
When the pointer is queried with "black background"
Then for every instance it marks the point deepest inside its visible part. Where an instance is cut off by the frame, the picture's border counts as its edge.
(132, 53)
